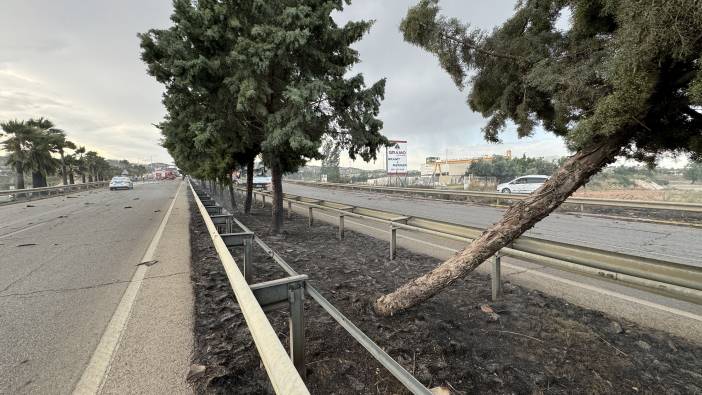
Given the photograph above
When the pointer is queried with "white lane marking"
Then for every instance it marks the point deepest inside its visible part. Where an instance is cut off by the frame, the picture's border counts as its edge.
(94, 375)
(593, 288)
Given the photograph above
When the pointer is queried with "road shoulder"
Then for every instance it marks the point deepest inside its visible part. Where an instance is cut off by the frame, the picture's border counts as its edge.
(156, 346)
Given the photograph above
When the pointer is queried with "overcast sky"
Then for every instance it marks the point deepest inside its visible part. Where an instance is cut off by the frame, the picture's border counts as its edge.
(77, 63)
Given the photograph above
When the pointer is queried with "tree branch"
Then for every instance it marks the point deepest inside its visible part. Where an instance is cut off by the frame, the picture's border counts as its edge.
(468, 43)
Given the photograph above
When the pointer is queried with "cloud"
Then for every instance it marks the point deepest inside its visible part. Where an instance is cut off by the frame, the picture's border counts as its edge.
(422, 104)
(77, 63)
(25, 97)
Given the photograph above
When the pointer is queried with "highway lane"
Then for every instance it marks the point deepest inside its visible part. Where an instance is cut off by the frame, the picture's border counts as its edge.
(64, 265)
(671, 243)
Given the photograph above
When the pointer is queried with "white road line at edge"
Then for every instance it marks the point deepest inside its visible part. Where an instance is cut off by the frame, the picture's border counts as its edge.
(92, 379)
(628, 298)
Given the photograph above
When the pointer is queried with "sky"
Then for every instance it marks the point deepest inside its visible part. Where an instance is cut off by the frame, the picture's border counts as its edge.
(77, 63)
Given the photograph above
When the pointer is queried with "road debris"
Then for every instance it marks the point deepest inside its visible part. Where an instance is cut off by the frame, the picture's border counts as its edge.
(490, 312)
(196, 371)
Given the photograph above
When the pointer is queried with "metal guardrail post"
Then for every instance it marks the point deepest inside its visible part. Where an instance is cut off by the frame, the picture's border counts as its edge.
(288, 291)
(496, 277)
(296, 295)
(248, 259)
(393, 242)
(239, 239)
(311, 215)
(341, 227)
(222, 222)
(263, 204)
(213, 209)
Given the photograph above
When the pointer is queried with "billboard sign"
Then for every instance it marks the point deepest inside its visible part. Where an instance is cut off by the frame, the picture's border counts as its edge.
(396, 158)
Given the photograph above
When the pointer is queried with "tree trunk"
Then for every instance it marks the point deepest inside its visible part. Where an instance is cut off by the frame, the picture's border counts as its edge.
(38, 180)
(63, 169)
(82, 177)
(519, 218)
(231, 195)
(277, 212)
(249, 186)
(90, 178)
(71, 178)
(19, 176)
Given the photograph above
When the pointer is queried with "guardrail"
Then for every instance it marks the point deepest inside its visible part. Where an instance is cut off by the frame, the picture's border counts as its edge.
(673, 279)
(32, 193)
(631, 204)
(282, 373)
(272, 293)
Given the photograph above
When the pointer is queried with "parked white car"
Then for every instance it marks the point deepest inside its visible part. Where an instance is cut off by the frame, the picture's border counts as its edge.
(121, 182)
(524, 184)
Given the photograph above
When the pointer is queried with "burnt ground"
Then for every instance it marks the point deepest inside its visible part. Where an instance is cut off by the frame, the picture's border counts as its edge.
(532, 344)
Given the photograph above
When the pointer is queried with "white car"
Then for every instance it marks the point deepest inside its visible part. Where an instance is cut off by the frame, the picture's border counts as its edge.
(121, 182)
(524, 184)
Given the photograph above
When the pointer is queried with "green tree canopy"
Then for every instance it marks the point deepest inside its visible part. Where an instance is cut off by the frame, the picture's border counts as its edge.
(505, 169)
(622, 67)
(331, 157)
(621, 78)
(693, 172)
(268, 78)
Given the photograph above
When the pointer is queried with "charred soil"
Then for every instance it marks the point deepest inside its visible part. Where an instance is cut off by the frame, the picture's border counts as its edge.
(526, 343)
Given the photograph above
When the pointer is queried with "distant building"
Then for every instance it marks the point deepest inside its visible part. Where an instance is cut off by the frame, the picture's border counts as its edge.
(451, 171)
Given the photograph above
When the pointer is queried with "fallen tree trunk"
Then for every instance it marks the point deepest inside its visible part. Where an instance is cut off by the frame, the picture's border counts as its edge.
(519, 218)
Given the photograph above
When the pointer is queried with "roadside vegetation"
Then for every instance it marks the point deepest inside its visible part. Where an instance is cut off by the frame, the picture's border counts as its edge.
(261, 79)
(505, 169)
(37, 149)
(613, 79)
(621, 79)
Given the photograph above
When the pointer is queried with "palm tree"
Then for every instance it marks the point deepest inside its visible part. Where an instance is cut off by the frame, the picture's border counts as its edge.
(40, 161)
(44, 144)
(19, 146)
(59, 145)
(81, 168)
(104, 169)
(91, 163)
(71, 164)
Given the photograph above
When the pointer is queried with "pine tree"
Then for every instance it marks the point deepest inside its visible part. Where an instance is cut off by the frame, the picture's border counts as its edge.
(266, 78)
(624, 79)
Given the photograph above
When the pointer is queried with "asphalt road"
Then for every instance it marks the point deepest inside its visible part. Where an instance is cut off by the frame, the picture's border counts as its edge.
(667, 242)
(64, 264)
